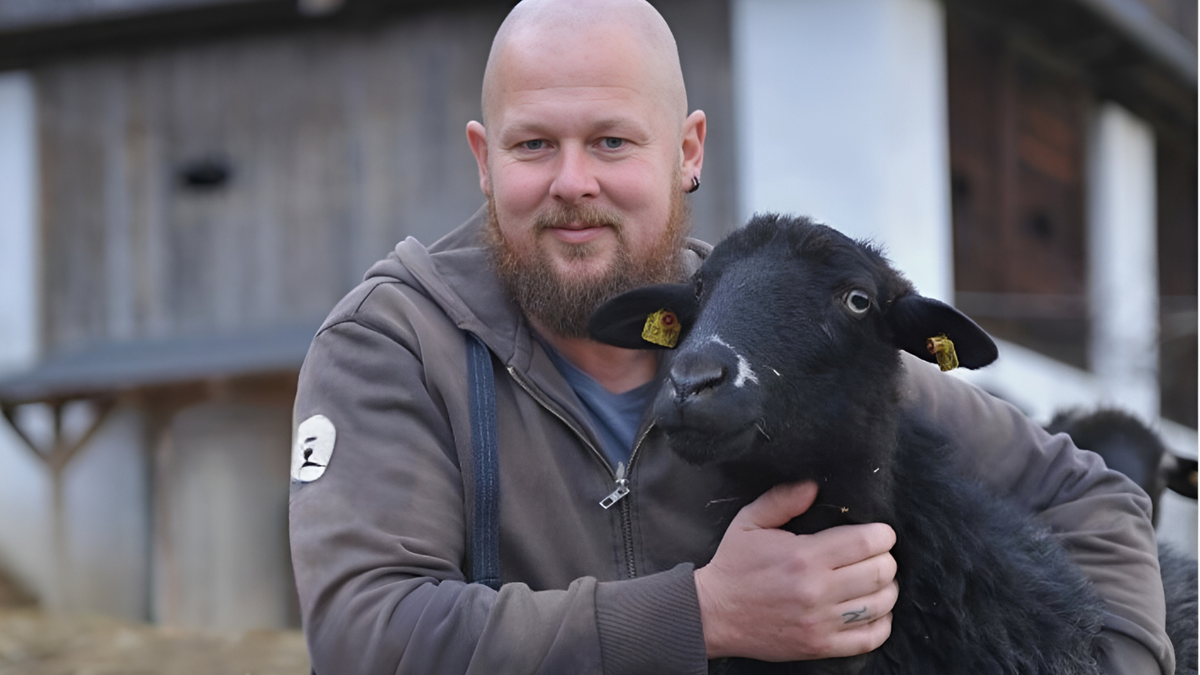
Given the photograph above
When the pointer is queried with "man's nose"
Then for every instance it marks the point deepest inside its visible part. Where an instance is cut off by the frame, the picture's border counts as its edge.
(575, 180)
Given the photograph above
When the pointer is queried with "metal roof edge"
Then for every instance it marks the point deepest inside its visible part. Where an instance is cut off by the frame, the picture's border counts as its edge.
(116, 367)
(25, 44)
(50, 16)
(1150, 33)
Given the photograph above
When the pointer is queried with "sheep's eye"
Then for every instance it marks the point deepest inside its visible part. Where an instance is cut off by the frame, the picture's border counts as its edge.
(858, 302)
(697, 287)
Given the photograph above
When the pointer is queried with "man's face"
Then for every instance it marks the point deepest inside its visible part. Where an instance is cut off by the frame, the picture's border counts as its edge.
(581, 162)
(563, 302)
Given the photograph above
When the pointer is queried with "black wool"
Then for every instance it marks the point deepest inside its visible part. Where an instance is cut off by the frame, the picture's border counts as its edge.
(789, 369)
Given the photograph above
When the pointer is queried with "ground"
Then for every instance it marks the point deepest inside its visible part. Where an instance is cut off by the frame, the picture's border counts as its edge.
(34, 642)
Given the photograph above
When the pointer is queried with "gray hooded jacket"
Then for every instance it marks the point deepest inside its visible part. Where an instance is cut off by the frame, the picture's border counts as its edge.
(378, 539)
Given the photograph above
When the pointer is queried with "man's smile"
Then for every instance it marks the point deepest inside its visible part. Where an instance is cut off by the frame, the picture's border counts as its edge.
(576, 233)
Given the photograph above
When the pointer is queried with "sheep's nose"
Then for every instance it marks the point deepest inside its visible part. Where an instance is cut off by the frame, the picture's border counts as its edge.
(694, 373)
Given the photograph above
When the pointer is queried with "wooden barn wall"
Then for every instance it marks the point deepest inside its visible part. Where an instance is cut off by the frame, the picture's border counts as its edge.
(339, 143)
(220, 557)
(1017, 157)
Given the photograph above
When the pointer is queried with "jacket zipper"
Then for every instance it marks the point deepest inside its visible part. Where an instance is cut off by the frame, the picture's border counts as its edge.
(620, 476)
(626, 511)
(622, 488)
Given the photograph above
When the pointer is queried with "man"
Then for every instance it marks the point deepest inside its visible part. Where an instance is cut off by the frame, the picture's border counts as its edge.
(585, 154)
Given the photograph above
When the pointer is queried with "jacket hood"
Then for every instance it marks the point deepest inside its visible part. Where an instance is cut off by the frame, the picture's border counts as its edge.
(456, 274)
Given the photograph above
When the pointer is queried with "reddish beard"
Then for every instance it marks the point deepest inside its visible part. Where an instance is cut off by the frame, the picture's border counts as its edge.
(563, 304)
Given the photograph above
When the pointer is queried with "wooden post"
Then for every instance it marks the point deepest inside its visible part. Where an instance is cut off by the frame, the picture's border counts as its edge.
(56, 457)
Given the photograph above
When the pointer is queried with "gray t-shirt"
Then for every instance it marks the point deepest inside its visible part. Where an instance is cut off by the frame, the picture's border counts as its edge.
(614, 417)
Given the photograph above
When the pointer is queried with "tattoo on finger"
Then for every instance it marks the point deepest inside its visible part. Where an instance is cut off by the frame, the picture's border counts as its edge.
(855, 616)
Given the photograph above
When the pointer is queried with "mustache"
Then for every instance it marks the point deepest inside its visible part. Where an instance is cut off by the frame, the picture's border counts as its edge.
(585, 214)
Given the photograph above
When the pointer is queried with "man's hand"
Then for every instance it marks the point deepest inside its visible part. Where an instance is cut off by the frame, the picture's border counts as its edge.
(774, 596)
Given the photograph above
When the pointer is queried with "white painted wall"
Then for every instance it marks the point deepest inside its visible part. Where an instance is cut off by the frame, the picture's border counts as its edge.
(19, 252)
(24, 485)
(1123, 260)
(108, 520)
(841, 115)
(1123, 290)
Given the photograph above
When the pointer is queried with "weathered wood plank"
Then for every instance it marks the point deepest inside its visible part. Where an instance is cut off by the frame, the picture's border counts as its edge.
(339, 142)
(220, 543)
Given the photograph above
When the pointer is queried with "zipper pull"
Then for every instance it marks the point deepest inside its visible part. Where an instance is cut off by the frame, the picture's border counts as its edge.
(622, 488)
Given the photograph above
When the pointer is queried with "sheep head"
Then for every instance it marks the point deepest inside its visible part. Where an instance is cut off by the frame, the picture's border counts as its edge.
(787, 356)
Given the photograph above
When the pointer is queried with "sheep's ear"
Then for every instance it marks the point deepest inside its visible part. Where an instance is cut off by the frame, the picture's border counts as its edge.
(915, 319)
(623, 320)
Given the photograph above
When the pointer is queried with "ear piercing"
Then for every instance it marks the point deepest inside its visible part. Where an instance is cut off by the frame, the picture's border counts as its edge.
(695, 184)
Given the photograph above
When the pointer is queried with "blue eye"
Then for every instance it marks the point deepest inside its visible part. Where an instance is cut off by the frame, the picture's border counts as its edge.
(613, 143)
(537, 144)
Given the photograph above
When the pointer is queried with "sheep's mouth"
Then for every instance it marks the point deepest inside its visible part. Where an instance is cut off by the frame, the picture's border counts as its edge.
(706, 429)
(706, 446)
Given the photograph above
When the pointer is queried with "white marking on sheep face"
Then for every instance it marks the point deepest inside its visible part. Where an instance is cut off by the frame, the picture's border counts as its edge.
(745, 373)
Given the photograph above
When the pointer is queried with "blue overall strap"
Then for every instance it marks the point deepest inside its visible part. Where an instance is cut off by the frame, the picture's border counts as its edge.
(483, 546)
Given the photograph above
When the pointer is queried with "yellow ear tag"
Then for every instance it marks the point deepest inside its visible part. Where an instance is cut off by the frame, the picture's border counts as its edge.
(942, 349)
(662, 328)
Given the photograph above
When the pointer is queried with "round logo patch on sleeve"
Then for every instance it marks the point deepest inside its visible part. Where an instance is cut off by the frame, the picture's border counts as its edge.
(313, 448)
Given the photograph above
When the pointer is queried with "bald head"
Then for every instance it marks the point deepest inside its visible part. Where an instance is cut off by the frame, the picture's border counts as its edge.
(558, 43)
(587, 148)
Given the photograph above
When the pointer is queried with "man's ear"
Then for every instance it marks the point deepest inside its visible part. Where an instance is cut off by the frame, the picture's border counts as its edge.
(477, 139)
(621, 321)
(914, 319)
(695, 128)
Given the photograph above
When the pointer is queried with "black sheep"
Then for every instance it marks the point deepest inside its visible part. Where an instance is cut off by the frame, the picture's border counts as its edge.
(787, 369)
(1129, 446)
(1179, 583)
(1123, 441)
